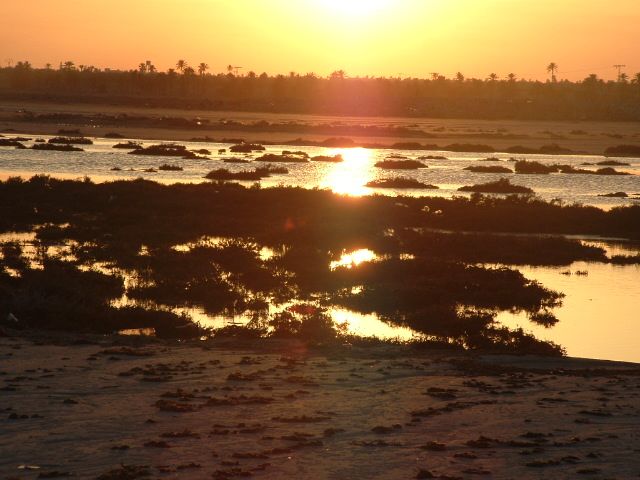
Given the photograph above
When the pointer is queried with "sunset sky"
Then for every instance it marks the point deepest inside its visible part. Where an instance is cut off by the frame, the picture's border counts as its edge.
(362, 37)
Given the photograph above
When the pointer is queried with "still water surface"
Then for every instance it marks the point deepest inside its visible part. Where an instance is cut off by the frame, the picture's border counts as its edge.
(348, 177)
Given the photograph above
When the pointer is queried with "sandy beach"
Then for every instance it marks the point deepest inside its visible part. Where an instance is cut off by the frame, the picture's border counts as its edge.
(124, 408)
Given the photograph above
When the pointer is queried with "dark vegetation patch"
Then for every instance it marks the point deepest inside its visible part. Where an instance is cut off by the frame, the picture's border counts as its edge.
(165, 150)
(613, 163)
(71, 141)
(499, 186)
(400, 164)
(623, 151)
(285, 158)
(400, 182)
(552, 149)
(9, 142)
(533, 167)
(131, 227)
(488, 169)
(129, 145)
(478, 248)
(246, 148)
(56, 147)
(247, 175)
(615, 195)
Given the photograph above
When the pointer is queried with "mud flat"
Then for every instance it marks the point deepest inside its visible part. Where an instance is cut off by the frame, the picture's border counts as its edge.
(126, 407)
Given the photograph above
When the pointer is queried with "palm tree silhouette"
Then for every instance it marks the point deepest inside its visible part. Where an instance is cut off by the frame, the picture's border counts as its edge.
(460, 77)
(68, 65)
(435, 75)
(624, 78)
(636, 78)
(181, 65)
(142, 67)
(552, 68)
(202, 68)
(512, 77)
(493, 77)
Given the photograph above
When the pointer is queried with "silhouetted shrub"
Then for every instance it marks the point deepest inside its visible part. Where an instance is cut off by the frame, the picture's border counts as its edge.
(499, 186)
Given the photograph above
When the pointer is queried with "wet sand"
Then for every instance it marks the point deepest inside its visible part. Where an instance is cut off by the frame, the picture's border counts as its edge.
(128, 407)
(584, 137)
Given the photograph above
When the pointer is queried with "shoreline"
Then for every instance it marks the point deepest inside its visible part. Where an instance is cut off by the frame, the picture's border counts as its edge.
(499, 135)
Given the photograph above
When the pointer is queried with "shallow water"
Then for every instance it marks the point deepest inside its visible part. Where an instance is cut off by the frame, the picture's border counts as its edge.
(600, 315)
(599, 318)
(348, 177)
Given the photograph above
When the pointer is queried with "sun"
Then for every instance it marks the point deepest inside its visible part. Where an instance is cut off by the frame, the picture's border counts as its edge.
(355, 8)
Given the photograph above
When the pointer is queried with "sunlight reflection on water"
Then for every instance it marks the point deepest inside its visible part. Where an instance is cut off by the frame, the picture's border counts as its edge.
(599, 317)
(350, 176)
(353, 259)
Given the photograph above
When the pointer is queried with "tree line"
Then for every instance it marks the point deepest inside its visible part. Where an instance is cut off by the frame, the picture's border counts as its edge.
(193, 87)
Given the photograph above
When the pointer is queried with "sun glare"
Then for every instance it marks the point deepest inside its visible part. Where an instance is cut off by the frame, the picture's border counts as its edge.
(355, 8)
(353, 259)
(350, 176)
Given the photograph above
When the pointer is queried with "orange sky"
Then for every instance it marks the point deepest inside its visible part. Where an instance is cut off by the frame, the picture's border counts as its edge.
(362, 37)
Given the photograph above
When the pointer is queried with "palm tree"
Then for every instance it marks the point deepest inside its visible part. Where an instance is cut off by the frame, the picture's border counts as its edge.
(151, 68)
(338, 75)
(435, 75)
(512, 77)
(460, 77)
(636, 78)
(552, 68)
(181, 65)
(202, 68)
(47, 66)
(624, 78)
(493, 77)
(142, 68)
(189, 71)
(68, 65)
(26, 65)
